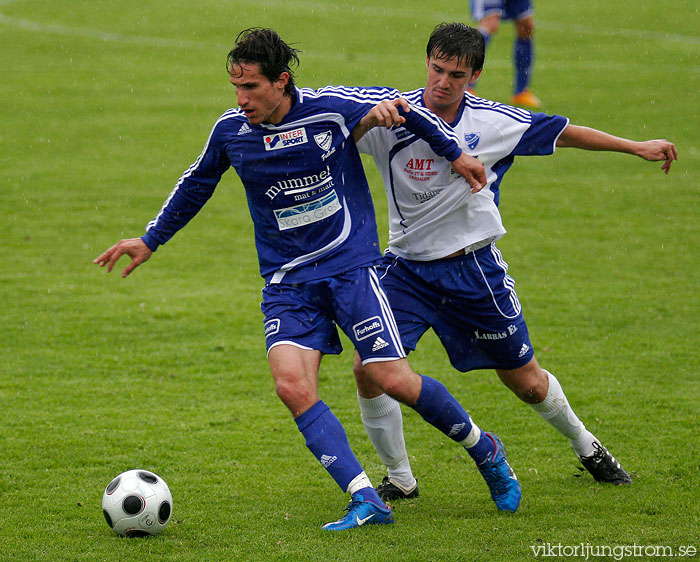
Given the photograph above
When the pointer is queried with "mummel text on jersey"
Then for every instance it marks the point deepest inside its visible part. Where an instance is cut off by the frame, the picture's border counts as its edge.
(305, 185)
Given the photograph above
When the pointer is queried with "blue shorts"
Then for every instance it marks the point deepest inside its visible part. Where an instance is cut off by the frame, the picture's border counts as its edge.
(307, 315)
(508, 9)
(470, 303)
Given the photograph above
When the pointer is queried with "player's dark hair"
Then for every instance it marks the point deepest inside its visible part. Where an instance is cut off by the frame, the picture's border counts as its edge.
(264, 47)
(457, 40)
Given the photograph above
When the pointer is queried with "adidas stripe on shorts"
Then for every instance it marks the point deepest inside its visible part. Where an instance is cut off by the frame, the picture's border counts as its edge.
(469, 301)
(308, 315)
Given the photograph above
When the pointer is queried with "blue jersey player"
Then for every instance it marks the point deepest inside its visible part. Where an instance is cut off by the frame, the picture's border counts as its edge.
(489, 14)
(316, 239)
(443, 270)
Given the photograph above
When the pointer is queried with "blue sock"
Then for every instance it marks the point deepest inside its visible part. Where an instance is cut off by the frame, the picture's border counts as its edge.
(326, 439)
(483, 450)
(523, 56)
(438, 407)
(487, 38)
(369, 494)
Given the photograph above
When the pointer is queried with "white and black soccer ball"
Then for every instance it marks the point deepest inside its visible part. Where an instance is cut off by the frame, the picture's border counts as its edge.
(137, 503)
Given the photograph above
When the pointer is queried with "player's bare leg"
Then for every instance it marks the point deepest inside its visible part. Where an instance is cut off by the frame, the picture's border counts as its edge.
(436, 405)
(539, 388)
(523, 60)
(295, 372)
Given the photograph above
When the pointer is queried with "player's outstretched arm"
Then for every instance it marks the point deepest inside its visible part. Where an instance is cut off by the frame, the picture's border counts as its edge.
(135, 248)
(586, 138)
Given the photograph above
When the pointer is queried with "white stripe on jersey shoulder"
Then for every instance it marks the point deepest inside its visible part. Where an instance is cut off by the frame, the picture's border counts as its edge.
(228, 114)
(475, 102)
(435, 120)
(319, 117)
(358, 94)
(414, 96)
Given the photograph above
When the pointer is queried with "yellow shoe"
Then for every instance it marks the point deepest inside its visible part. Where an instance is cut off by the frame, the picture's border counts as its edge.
(526, 99)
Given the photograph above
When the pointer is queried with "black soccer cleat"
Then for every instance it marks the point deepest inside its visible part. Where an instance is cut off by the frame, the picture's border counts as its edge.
(604, 467)
(389, 491)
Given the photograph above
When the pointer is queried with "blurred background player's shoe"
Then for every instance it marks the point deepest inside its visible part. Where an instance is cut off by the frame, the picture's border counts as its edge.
(604, 467)
(389, 491)
(504, 485)
(526, 99)
(360, 512)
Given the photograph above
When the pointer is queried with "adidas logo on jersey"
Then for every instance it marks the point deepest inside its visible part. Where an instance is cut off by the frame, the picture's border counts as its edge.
(379, 343)
(327, 460)
(523, 350)
(245, 129)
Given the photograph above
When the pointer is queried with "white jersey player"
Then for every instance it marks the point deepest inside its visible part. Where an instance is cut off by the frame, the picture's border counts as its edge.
(442, 269)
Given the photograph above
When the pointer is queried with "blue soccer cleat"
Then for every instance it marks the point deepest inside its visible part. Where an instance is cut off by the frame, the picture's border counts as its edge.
(504, 485)
(361, 512)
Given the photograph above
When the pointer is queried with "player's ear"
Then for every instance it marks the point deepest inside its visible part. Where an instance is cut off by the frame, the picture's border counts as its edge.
(475, 77)
(283, 80)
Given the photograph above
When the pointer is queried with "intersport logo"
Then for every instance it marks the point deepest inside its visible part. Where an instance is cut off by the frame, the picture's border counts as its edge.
(278, 141)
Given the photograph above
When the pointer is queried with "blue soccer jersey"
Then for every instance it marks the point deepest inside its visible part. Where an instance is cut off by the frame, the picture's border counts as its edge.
(304, 182)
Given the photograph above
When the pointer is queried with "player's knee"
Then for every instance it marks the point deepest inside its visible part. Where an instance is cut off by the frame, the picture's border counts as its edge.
(531, 394)
(529, 383)
(490, 24)
(358, 369)
(525, 28)
(293, 392)
(395, 378)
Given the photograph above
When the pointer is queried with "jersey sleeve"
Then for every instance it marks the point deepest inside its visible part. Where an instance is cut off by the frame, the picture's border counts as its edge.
(421, 122)
(429, 127)
(356, 102)
(191, 192)
(541, 136)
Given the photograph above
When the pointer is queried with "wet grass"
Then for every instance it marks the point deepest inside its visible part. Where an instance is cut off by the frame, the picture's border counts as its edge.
(104, 105)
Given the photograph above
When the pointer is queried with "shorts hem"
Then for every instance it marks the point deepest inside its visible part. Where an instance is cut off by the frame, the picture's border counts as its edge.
(295, 344)
(381, 359)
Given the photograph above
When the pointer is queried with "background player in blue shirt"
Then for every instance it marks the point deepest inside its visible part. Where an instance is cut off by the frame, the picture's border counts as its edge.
(443, 270)
(488, 14)
(316, 238)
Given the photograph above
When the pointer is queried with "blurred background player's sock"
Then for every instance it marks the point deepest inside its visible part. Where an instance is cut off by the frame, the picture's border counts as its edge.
(523, 55)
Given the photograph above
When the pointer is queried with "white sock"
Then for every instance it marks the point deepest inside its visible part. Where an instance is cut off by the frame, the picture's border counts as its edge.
(473, 437)
(383, 422)
(360, 481)
(556, 410)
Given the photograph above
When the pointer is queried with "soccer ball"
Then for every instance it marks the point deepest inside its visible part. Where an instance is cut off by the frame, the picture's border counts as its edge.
(137, 503)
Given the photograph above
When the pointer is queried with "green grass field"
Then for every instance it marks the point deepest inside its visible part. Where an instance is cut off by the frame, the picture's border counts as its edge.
(104, 104)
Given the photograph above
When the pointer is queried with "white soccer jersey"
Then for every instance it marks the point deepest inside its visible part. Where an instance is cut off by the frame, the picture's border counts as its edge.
(432, 212)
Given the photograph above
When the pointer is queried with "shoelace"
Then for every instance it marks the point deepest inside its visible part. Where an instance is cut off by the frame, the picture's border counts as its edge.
(352, 505)
(604, 458)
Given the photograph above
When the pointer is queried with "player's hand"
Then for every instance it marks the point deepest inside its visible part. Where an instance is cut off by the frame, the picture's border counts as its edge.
(135, 248)
(657, 150)
(384, 114)
(472, 170)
